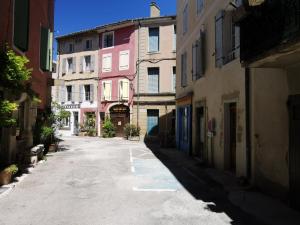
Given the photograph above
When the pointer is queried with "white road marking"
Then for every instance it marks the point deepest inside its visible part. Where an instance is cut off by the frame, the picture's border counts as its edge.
(153, 190)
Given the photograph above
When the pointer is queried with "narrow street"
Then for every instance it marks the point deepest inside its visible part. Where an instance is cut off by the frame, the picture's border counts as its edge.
(95, 181)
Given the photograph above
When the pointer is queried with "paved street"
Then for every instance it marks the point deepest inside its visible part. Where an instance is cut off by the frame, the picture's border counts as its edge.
(98, 182)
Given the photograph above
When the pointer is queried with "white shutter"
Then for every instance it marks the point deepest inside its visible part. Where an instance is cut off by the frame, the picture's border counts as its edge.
(92, 93)
(125, 89)
(74, 65)
(81, 64)
(81, 93)
(73, 93)
(106, 62)
(124, 60)
(107, 90)
(92, 63)
(64, 66)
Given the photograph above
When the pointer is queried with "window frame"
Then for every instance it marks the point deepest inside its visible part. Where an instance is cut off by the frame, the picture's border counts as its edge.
(113, 39)
(199, 9)
(158, 41)
(158, 81)
(69, 94)
(85, 93)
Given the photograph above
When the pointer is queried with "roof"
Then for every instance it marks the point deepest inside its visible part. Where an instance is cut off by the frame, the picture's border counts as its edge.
(116, 24)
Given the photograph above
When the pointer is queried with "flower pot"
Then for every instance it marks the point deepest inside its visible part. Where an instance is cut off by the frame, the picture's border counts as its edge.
(5, 177)
(52, 148)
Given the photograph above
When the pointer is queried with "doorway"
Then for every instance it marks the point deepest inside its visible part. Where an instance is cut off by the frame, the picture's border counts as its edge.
(119, 115)
(294, 155)
(200, 134)
(75, 122)
(230, 127)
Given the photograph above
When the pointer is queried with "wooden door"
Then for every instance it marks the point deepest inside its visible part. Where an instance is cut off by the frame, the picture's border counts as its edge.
(294, 162)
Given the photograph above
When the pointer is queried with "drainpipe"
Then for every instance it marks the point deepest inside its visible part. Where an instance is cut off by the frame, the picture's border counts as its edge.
(248, 123)
(138, 77)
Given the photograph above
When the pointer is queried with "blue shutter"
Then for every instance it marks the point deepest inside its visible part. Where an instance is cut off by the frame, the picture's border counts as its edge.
(153, 122)
(153, 80)
(154, 39)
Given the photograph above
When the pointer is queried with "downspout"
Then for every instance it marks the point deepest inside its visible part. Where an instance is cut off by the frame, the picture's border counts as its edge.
(138, 77)
(248, 122)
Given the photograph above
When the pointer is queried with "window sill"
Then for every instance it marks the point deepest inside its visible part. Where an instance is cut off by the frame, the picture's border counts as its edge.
(153, 53)
(107, 48)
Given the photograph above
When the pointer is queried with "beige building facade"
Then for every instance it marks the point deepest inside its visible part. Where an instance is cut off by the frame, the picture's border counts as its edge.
(210, 87)
(154, 99)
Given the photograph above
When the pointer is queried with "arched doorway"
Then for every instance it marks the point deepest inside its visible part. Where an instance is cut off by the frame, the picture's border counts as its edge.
(119, 115)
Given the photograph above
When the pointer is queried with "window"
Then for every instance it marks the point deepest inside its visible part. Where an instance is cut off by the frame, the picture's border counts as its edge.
(69, 93)
(153, 80)
(227, 39)
(106, 90)
(68, 65)
(123, 89)
(108, 40)
(198, 58)
(200, 5)
(71, 48)
(184, 69)
(21, 24)
(185, 19)
(87, 92)
(87, 63)
(107, 62)
(88, 44)
(174, 37)
(46, 43)
(174, 79)
(154, 39)
(124, 60)
(152, 122)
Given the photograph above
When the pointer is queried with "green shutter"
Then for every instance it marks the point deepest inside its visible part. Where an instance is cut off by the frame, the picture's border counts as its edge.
(46, 49)
(21, 24)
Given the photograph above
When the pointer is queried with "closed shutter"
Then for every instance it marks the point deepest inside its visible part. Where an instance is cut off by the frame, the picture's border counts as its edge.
(124, 89)
(194, 56)
(50, 49)
(74, 65)
(92, 92)
(237, 41)
(44, 49)
(64, 66)
(153, 80)
(124, 60)
(154, 39)
(106, 62)
(107, 90)
(81, 64)
(219, 56)
(183, 69)
(200, 56)
(92, 63)
(21, 24)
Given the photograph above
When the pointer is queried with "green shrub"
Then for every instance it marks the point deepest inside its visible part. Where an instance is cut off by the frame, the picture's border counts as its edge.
(13, 169)
(109, 129)
(47, 134)
(131, 130)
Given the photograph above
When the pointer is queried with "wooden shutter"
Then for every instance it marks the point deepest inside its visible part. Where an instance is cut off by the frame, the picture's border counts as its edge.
(153, 80)
(154, 39)
(81, 64)
(106, 62)
(194, 61)
(200, 56)
(92, 92)
(183, 69)
(124, 60)
(64, 66)
(74, 65)
(92, 63)
(219, 20)
(21, 24)
(44, 49)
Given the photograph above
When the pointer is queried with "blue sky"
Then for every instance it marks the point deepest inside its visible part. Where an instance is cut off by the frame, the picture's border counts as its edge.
(71, 16)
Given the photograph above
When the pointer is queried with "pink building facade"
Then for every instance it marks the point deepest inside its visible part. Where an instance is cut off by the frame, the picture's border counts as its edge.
(116, 74)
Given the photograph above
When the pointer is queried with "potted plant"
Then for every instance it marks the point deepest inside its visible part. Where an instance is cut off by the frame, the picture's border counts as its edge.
(48, 139)
(109, 129)
(7, 174)
(132, 132)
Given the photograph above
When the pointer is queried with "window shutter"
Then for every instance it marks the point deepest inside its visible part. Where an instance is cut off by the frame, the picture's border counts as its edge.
(81, 64)
(91, 44)
(21, 24)
(126, 90)
(219, 56)
(44, 49)
(124, 60)
(107, 90)
(64, 66)
(106, 62)
(153, 80)
(154, 39)
(74, 65)
(92, 92)
(50, 49)
(81, 93)
(201, 55)
(174, 79)
(92, 63)
(237, 41)
(174, 37)
(194, 70)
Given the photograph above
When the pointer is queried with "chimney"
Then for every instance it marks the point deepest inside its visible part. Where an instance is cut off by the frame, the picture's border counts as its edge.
(154, 10)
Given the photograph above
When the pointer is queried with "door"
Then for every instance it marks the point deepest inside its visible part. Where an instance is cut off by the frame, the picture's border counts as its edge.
(230, 137)
(294, 155)
(152, 122)
(200, 142)
(119, 120)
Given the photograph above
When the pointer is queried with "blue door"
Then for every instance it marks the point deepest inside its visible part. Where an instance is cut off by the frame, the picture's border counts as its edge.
(153, 122)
